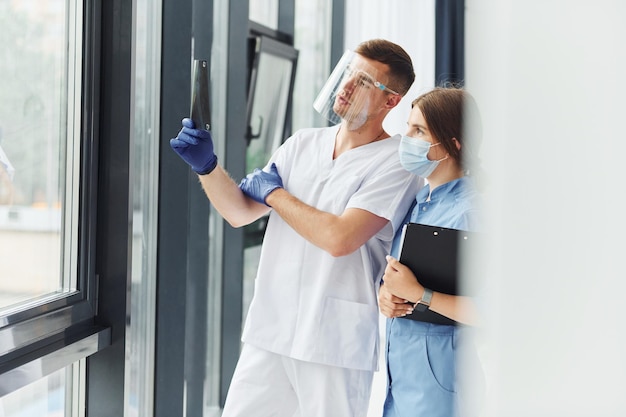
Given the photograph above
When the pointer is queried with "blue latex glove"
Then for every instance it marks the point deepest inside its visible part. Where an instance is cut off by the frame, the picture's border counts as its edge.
(195, 146)
(259, 184)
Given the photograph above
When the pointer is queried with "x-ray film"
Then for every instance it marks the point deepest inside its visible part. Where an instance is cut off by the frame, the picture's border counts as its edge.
(200, 101)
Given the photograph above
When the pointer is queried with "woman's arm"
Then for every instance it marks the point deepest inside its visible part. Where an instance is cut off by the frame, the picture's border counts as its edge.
(401, 282)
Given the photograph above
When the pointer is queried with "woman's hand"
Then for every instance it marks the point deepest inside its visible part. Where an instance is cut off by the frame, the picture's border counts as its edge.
(401, 282)
(392, 306)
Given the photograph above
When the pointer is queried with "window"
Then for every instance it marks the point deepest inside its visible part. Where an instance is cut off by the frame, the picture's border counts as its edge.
(47, 283)
(47, 397)
(271, 84)
(265, 12)
(140, 333)
(38, 150)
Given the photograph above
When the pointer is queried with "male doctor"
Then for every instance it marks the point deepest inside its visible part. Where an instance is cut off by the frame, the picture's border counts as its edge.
(336, 196)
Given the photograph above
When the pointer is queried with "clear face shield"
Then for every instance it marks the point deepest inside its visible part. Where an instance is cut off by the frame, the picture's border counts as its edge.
(351, 91)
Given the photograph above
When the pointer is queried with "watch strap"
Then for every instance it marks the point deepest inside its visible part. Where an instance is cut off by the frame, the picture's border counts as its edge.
(424, 303)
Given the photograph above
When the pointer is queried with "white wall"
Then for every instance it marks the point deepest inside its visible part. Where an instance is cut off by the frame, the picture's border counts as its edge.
(410, 24)
(549, 78)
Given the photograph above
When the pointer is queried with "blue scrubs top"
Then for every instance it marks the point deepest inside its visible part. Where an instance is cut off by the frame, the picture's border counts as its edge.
(422, 357)
(453, 205)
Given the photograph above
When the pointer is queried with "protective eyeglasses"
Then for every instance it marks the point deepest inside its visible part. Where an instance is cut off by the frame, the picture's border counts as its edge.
(365, 79)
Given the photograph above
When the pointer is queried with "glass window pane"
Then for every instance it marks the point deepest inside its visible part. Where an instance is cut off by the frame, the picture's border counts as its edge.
(265, 12)
(313, 23)
(140, 334)
(56, 395)
(269, 110)
(39, 68)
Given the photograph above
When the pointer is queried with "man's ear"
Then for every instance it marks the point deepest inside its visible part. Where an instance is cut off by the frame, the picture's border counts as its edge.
(392, 100)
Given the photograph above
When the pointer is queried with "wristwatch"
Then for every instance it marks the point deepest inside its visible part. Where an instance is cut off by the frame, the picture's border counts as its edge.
(424, 303)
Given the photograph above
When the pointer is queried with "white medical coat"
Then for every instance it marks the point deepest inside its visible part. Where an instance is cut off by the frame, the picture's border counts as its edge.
(307, 304)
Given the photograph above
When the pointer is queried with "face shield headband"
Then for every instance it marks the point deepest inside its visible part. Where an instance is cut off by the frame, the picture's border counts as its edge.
(350, 90)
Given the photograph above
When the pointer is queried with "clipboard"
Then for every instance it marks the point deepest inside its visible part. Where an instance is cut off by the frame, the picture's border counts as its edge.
(432, 253)
(200, 102)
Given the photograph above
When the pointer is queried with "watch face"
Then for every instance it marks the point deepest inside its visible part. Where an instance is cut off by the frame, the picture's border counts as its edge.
(421, 307)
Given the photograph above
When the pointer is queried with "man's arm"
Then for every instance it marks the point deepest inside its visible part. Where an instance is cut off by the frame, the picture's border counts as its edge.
(195, 147)
(232, 204)
(337, 235)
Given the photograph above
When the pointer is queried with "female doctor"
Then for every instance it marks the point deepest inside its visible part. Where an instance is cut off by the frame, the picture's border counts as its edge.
(422, 358)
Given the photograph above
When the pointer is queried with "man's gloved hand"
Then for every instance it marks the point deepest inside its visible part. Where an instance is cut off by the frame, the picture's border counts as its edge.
(259, 184)
(195, 146)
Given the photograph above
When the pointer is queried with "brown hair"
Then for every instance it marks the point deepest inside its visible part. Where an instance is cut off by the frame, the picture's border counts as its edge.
(395, 57)
(451, 112)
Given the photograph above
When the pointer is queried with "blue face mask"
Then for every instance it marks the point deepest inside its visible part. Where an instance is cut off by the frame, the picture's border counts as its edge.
(414, 156)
